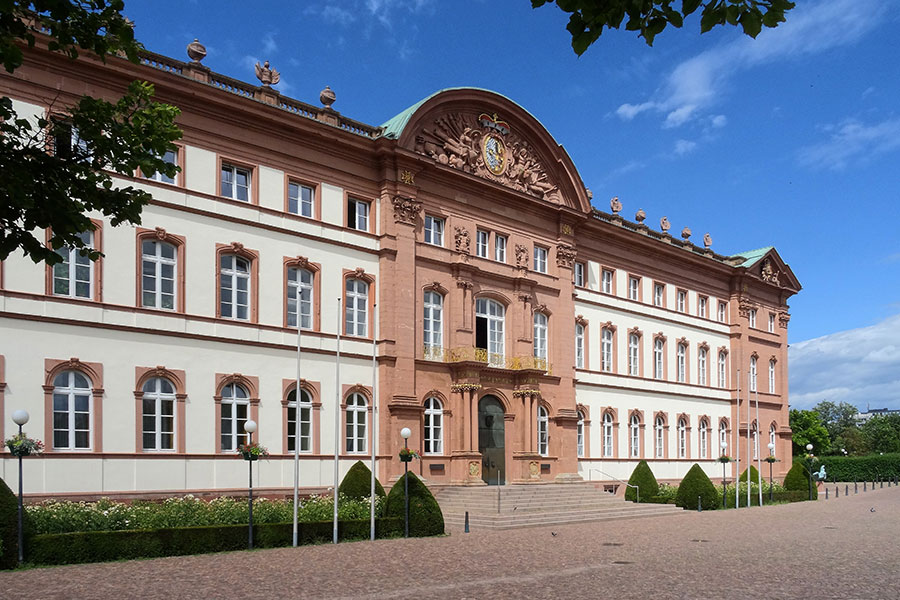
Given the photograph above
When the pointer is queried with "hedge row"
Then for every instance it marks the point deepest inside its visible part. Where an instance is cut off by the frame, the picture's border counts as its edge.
(777, 497)
(99, 546)
(860, 468)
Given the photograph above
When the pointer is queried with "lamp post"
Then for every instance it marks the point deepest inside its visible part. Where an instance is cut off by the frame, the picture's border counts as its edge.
(20, 417)
(724, 484)
(770, 459)
(405, 433)
(250, 428)
(809, 448)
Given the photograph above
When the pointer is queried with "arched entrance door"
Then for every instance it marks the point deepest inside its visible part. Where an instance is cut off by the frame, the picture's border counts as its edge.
(491, 441)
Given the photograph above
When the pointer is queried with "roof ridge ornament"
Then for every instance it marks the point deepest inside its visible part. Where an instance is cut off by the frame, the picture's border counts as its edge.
(196, 51)
(267, 75)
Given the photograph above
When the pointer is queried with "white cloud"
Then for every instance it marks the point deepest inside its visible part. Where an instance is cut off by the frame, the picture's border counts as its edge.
(683, 147)
(699, 82)
(858, 366)
(719, 121)
(852, 141)
(269, 45)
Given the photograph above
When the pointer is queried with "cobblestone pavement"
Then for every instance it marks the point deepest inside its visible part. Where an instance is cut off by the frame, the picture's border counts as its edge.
(840, 548)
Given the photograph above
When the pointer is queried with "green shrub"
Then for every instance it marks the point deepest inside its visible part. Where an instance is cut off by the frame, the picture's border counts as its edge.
(778, 497)
(9, 527)
(425, 516)
(357, 483)
(798, 480)
(642, 477)
(697, 484)
(861, 468)
(754, 475)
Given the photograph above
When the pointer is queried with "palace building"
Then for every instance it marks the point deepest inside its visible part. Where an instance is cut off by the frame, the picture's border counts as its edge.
(522, 335)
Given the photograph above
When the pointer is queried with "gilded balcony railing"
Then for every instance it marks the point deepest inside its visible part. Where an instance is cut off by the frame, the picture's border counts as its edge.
(498, 361)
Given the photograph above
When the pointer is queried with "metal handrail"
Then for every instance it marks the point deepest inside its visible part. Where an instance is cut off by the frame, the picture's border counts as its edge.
(636, 487)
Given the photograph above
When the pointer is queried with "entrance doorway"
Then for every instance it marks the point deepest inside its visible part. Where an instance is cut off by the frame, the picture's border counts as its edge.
(491, 442)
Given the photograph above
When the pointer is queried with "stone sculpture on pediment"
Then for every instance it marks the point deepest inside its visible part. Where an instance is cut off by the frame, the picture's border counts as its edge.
(521, 256)
(461, 238)
(768, 273)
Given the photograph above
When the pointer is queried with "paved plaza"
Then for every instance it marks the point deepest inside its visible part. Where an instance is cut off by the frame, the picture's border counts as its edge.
(840, 548)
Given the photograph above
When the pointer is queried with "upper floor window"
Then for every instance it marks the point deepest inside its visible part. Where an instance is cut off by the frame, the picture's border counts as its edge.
(681, 359)
(579, 435)
(540, 259)
(660, 432)
(752, 318)
(72, 404)
(606, 350)
(74, 275)
(752, 373)
(771, 376)
(540, 336)
(235, 183)
(579, 274)
(722, 315)
(433, 319)
(704, 438)
(300, 199)
(67, 143)
(659, 294)
(235, 407)
(682, 301)
(158, 271)
(701, 306)
(500, 248)
(701, 366)
(357, 421)
(579, 346)
(158, 415)
(658, 353)
(634, 439)
(357, 214)
(723, 374)
(606, 281)
(634, 288)
(754, 434)
(482, 242)
(170, 158)
(434, 231)
(607, 435)
(357, 308)
(771, 322)
(234, 287)
(723, 437)
(634, 347)
(543, 431)
(772, 444)
(489, 322)
(682, 438)
(305, 421)
(434, 429)
(300, 287)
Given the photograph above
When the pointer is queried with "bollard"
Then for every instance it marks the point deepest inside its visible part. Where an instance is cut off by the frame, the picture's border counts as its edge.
(467, 522)
(864, 486)
(855, 486)
(826, 493)
(882, 484)
(837, 492)
(699, 504)
(847, 490)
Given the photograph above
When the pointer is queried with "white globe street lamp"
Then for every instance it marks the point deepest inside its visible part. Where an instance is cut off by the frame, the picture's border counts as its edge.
(20, 417)
(250, 428)
(405, 433)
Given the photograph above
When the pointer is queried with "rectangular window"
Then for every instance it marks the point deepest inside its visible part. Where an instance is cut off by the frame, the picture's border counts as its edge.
(434, 231)
(170, 158)
(300, 199)
(234, 287)
(235, 183)
(771, 322)
(579, 346)
(606, 281)
(357, 214)
(606, 350)
(481, 243)
(723, 312)
(634, 288)
(579, 274)
(500, 248)
(682, 301)
(300, 287)
(73, 277)
(771, 376)
(158, 267)
(681, 359)
(634, 347)
(701, 306)
(659, 294)
(752, 318)
(357, 308)
(540, 259)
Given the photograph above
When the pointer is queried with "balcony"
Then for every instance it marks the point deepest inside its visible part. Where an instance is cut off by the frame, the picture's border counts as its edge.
(481, 355)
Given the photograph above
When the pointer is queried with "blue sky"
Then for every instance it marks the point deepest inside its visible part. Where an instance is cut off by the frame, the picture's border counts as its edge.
(791, 140)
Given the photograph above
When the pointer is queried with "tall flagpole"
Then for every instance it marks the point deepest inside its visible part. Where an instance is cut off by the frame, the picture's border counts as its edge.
(297, 417)
(737, 444)
(374, 419)
(749, 456)
(337, 420)
(758, 453)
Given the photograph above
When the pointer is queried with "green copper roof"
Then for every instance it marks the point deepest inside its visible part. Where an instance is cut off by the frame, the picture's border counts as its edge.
(752, 256)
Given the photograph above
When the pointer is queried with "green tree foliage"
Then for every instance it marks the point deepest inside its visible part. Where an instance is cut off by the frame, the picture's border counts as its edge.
(838, 419)
(809, 429)
(882, 433)
(357, 483)
(754, 475)
(9, 527)
(798, 480)
(588, 18)
(425, 516)
(696, 485)
(55, 170)
(643, 477)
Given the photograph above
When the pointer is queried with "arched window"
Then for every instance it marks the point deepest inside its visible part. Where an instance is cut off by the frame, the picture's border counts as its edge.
(723, 359)
(754, 434)
(305, 421)
(357, 308)
(158, 272)
(682, 438)
(579, 346)
(704, 438)
(489, 320)
(658, 350)
(302, 280)
(540, 337)
(434, 426)
(752, 373)
(234, 287)
(723, 437)
(772, 376)
(607, 435)
(634, 439)
(660, 431)
(235, 407)
(606, 350)
(158, 414)
(72, 405)
(681, 357)
(772, 439)
(433, 324)
(701, 366)
(579, 435)
(543, 431)
(357, 419)
(634, 345)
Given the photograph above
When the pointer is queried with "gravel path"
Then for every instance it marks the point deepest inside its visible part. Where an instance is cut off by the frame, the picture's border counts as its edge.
(834, 549)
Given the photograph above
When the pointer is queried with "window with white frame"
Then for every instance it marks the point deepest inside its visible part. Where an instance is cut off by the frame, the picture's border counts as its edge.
(723, 437)
(607, 435)
(579, 435)
(305, 421)
(723, 312)
(606, 350)
(158, 414)
(658, 358)
(433, 324)
(434, 231)
(300, 281)
(74, 275)
(357, 421)
(170, 158)
(500, 248)
(434, 426)
(482, 241)
(579, 346)
(704, 438)
(754, 433)
(701, 307)
(67, 142)
(634, 438)
(682, 301)
(753, 373)
(579, 274)
(634, 347)
(543, 422)
(540, 259)
(234, 287)
(634, 288)
(606, 281)
(771, 376)
(681, 359)
(540, 336)
(660, 436)
(357, 309)
(723, 372)
(701, 366)
(772, 440)
(659, 294)
(357, 214)
(682, 438)
(489, 322)
(235, 407)
(158, 271)
(300, 199)
(72, 411)
(235, 183)
(752, 318)
(771, 322)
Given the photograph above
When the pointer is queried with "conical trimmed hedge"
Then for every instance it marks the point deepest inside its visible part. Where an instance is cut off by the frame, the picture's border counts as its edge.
(357, 483)
(754, 475)
(425, 516)
(9, 527)
(643, 477)
(697, 484)
(797, 479)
